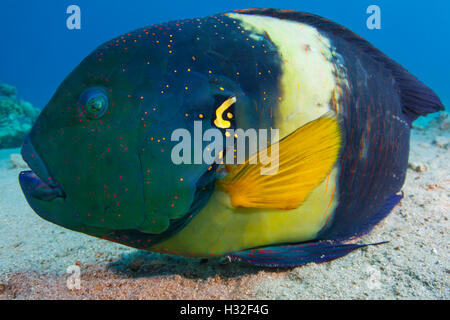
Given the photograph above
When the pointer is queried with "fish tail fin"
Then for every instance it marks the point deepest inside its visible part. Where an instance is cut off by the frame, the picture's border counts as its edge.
(417, 98)
(296, 254)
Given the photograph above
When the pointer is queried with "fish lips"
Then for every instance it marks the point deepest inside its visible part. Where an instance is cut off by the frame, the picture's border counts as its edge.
(47, 197)
(37, 182)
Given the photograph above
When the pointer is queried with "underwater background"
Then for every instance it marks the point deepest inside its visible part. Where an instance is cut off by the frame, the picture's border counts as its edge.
(38, 51)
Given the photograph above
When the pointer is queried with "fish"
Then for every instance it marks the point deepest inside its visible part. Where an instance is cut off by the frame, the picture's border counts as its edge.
(339, 112)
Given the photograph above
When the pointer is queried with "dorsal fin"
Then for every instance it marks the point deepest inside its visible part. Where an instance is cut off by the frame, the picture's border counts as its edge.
(417, 99)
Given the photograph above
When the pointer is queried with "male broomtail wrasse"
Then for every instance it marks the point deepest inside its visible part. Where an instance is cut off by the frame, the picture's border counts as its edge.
(100, 152)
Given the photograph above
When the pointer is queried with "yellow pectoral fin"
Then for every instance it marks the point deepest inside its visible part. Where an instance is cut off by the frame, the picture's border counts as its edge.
(305, 158)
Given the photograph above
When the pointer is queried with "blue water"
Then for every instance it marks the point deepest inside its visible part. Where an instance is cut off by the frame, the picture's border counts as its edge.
(38, 51)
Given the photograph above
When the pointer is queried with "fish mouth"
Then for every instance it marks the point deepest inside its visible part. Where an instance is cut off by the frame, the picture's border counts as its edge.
(37, 182)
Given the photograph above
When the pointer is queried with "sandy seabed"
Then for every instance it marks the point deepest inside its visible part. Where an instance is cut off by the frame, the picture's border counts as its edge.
(414, 264)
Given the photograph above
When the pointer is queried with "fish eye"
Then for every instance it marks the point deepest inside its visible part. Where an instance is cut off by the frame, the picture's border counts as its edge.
(94, 102)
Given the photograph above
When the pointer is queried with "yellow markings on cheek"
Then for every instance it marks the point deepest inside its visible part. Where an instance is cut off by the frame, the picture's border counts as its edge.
(219, 121)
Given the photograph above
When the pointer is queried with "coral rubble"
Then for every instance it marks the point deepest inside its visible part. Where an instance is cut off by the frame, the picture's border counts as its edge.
(16, 117)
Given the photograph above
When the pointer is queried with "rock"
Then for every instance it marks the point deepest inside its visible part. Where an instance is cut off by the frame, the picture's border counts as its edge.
(136, 264)
(417, 167)
(425, 145)
(8, 91)
(3, 288)
(418, 127)
(29, 110)
(16, 117)
(442, 122)
(17, 244)
(445, 125)
(441, 142)
(17, 161)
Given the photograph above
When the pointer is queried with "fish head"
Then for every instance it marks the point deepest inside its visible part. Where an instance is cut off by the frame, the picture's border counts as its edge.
(100, 152)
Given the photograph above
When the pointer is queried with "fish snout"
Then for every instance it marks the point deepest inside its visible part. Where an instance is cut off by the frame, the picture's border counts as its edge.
(37, 182)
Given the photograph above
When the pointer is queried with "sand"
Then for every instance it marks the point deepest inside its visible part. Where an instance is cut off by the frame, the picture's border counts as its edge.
(415, 264)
